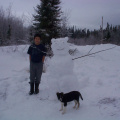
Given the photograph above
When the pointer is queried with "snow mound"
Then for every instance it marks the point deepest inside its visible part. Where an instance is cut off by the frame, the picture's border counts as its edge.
(60, 69)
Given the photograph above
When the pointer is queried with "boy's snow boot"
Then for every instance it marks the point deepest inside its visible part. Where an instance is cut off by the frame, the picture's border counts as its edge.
(31, 88)
(36, 88)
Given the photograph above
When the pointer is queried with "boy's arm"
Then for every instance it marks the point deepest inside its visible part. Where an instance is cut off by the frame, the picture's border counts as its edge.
(30, 57)
(43, 59)
(29, 52)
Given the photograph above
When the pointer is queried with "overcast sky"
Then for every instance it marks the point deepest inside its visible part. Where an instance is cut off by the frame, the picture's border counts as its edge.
(83, 13)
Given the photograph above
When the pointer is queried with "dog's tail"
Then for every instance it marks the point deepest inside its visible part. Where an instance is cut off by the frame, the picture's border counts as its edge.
(81, 96)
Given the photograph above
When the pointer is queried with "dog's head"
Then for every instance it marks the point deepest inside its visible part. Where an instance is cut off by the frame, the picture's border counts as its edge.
(60, 96)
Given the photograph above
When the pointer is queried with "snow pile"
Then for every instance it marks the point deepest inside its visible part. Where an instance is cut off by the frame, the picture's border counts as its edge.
(61, 69)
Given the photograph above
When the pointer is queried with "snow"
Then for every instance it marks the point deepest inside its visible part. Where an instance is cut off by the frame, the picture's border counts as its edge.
(97, 77)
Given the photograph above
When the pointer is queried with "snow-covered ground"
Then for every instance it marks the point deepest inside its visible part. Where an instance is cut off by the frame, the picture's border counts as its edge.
(97, 77)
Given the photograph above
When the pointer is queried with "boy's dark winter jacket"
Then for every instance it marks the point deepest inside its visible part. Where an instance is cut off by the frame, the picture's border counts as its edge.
(37, 52)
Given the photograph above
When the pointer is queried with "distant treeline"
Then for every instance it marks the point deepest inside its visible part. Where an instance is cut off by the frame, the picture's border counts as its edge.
(13, 31)
(111, 34)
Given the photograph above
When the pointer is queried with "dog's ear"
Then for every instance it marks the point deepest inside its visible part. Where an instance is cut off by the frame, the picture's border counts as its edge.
(57, 93)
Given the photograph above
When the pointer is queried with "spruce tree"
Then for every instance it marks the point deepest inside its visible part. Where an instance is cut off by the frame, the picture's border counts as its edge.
(108, 35)
(88, 32)
(47, 20)
(0, 39)
(9, 33)
(111, 28)
(108, 27)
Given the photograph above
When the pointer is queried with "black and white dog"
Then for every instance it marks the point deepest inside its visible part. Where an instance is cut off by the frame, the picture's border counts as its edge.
(68, 97)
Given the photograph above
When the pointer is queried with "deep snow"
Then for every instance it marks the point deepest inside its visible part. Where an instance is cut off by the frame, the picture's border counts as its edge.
(97, 77)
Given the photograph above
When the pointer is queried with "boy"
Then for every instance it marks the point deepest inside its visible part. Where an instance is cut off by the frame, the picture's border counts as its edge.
(37, 53)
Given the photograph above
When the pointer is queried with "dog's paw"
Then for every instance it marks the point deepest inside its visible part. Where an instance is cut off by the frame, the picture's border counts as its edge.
(74, 107)
(63, 113)
(77, 108)
(61, 110)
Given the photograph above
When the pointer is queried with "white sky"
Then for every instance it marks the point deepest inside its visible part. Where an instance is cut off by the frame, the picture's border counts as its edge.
(83, 13)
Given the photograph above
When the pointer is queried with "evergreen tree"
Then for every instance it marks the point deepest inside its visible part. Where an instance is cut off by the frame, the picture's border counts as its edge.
(95, 33)
(108, 35)
(83, 33)
(111, 28)
(71, 32)
(47, 20)
(9, 33)
(115, 29)
(0, 39)
(88, 32)
(108, 27)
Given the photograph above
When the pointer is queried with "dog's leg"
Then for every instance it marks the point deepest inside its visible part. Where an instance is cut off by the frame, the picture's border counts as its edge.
(78, 105)
(61, 106)
(64, 110)
(75, 104)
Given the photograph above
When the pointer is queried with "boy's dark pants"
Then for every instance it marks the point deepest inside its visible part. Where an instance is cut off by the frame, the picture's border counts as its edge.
(35, 74)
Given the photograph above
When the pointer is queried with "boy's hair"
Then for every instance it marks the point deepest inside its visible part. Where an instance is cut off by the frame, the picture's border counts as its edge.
(37, 35)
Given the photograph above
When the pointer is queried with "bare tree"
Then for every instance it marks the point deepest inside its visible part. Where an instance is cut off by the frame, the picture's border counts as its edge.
(12, 28)
(65, 23)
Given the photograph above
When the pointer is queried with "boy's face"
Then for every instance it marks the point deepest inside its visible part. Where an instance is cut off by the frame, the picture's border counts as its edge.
(37, 40)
